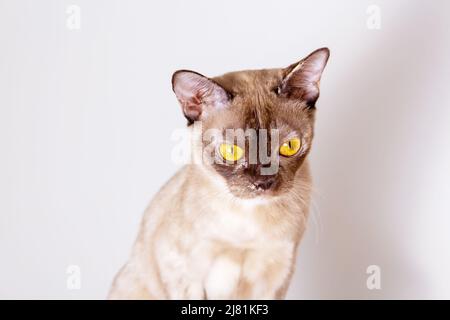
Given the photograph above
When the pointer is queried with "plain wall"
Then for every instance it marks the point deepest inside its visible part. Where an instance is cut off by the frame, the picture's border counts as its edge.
(86, 118)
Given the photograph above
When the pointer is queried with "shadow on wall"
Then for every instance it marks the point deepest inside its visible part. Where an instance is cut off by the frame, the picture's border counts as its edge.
(362, 165)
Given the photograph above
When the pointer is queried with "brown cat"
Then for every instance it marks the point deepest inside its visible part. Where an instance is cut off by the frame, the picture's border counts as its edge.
(228, 225)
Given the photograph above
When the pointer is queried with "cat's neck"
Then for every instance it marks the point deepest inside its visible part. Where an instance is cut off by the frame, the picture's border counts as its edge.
(209, 196)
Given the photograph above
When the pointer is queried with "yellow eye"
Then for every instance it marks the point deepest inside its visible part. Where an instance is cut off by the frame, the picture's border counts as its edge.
(290, 147)
(230, 152)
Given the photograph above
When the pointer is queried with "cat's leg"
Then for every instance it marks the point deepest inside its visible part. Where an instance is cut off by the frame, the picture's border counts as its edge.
(195, 291)
(265, 275)
(180, 272)
(223, 278)
(128, 286)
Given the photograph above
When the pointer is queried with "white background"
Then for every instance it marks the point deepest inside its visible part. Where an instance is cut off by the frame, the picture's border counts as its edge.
(86, 118)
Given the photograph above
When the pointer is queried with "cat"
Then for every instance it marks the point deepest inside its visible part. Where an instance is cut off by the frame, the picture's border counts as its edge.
(227, 229)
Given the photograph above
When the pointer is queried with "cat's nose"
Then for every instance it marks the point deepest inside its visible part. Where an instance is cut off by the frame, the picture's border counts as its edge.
(264, 184)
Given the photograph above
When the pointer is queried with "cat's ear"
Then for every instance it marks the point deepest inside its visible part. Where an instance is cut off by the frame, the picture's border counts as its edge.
(301, 80)
(197, 94)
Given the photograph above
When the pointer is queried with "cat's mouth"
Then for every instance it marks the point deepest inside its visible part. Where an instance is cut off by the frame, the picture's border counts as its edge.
(264, 185)
(255, 191)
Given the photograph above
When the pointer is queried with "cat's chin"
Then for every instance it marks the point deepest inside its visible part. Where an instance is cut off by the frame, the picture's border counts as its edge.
(255, 200)
(254, 197)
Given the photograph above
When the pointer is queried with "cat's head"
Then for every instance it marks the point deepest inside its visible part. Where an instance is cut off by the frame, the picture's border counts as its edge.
(262, 122)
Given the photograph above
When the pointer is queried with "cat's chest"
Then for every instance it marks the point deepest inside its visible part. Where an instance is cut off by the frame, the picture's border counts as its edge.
(240, 226)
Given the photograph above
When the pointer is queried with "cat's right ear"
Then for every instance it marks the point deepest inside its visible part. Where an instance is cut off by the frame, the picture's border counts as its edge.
(197, 94)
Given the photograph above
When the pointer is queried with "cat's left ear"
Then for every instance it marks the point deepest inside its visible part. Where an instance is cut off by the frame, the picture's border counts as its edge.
(197, 94)
(301, 80)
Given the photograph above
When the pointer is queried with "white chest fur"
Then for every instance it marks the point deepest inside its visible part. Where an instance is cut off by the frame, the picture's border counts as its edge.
(227, 254)
(239, 228)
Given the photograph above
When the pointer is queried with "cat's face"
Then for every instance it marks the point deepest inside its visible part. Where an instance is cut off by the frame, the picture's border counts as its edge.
(257, 125)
